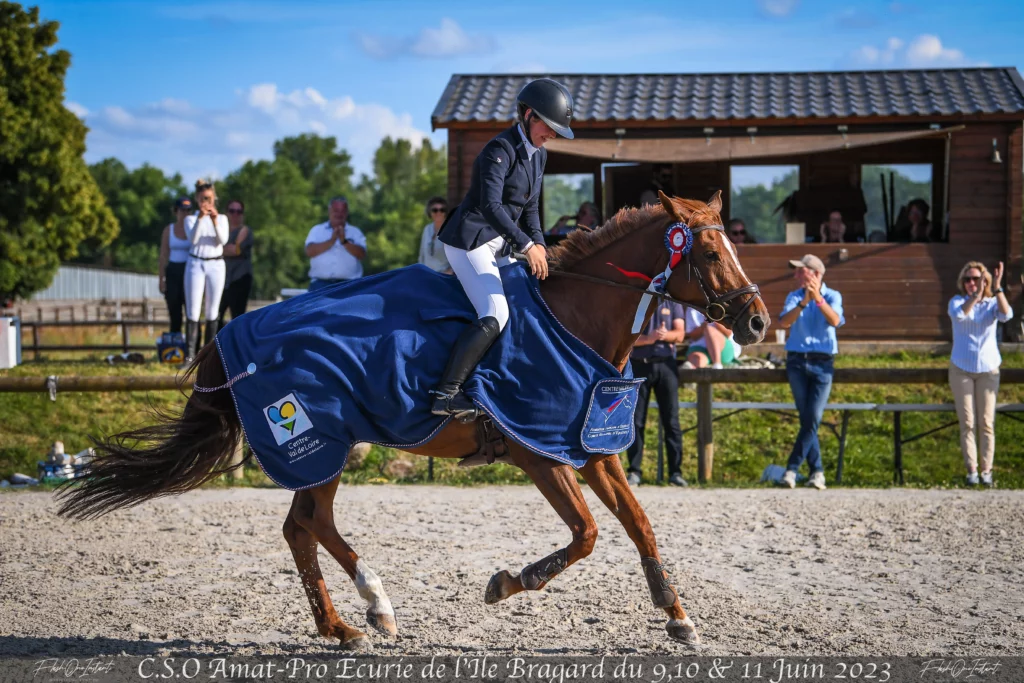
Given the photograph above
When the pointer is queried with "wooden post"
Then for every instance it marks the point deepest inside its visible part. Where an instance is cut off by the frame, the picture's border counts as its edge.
(842, 447)
(117, 316)
(705, 437)
(897, 438)
(125, 337)
(236, 458)
(661, 447)
(35, 341)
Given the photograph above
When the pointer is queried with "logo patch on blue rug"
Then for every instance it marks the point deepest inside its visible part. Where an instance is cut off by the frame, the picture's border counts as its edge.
(609, 425)
(287, 419)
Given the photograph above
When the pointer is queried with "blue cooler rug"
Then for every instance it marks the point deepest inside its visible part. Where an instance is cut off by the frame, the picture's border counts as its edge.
(311, 376)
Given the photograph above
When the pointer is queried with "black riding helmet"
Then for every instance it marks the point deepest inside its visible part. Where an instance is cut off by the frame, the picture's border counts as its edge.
(550, 101)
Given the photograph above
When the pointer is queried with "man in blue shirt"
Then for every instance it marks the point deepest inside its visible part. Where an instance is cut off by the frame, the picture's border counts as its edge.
(654, 360)
(811, 313)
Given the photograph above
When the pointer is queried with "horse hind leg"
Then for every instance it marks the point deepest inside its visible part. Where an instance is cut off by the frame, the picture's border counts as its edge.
(558, 485)
(320, 522)
(605, 477)
(303, 545)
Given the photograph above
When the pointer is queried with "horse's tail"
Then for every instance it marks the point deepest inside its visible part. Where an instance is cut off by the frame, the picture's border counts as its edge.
(175, 455)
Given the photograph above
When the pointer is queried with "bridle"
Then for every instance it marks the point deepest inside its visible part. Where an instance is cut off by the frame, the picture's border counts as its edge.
(714, 309)
(716, 302)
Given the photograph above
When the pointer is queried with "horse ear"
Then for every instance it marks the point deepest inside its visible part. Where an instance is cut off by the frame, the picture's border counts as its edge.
(670, 208)
(715, 203)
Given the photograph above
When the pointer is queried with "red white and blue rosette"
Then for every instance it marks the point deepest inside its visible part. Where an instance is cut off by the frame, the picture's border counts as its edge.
(679, 242)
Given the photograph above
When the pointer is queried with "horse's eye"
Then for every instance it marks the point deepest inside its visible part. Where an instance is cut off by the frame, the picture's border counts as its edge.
(710, 255)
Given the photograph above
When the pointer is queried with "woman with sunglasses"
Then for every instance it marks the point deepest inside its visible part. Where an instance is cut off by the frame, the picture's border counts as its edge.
(174, 248)
(431, 250)
(500, 214)
(974, 364)
(207, 233)
(238, 264)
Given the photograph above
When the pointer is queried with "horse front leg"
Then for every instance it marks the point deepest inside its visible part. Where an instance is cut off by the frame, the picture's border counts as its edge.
(604, 475)
(557, 483)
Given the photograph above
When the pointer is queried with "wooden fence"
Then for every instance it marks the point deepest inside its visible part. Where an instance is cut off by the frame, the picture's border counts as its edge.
(705, 379)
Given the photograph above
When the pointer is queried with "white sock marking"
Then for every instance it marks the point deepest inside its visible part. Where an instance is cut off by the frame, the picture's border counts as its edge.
(371, 589)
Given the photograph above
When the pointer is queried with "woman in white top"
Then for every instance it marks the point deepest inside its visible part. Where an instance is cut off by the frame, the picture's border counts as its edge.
(207, 233)
(974, 365)
(431, 250)
(174, 248)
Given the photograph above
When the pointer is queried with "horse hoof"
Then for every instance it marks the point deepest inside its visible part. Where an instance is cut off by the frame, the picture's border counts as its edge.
(684, 631)
(385, 623)
(360, 643)
(497, 587)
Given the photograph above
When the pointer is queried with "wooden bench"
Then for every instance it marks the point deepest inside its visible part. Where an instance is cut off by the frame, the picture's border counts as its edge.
(840, 431)
(897, 410)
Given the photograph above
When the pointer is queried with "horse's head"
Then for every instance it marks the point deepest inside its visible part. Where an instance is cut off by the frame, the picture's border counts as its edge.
(710, 276)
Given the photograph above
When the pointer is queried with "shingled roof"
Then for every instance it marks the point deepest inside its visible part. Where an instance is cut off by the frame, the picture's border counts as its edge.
(721, 97)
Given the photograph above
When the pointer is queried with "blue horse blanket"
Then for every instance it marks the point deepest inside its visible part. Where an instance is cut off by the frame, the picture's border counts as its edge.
(355, 362)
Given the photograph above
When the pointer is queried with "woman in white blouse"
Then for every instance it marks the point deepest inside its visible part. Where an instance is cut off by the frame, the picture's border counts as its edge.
(974, 365)
(207, 233)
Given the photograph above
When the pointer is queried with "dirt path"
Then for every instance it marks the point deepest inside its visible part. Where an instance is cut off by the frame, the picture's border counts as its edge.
(761, 571)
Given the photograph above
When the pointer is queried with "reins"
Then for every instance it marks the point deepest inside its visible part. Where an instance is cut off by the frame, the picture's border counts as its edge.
(714, 309)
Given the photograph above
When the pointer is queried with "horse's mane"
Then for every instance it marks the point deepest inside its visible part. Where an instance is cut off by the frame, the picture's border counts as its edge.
(580, 243)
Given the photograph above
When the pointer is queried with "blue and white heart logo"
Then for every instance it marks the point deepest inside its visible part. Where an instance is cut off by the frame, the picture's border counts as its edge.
(287, 419)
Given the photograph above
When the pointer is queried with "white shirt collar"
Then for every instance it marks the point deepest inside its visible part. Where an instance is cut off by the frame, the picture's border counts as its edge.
(530, 149)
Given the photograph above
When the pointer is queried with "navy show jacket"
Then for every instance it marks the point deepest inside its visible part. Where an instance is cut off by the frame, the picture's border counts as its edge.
(503, 197)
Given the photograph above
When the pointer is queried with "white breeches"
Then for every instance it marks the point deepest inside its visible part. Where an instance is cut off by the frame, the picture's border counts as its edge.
(203, 276)
(477, 270)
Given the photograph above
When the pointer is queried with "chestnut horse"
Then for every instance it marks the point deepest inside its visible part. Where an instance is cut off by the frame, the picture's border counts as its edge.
(591, 298)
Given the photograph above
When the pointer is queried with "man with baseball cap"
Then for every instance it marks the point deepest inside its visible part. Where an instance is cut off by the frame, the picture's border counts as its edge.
(811, 314)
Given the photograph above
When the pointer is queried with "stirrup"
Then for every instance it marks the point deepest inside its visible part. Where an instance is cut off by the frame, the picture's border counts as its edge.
(456, 405)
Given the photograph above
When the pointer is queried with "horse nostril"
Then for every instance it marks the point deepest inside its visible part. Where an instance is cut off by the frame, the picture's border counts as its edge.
(756, 324)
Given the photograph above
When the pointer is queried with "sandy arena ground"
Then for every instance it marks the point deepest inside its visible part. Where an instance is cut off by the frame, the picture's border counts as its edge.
(877, 572)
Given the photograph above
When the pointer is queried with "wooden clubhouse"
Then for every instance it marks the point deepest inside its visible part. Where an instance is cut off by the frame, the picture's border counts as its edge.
(842, 137)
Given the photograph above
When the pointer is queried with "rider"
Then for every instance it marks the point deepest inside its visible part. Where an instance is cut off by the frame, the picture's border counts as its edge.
(499, 214)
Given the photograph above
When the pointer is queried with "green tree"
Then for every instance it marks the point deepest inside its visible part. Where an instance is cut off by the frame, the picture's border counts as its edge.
(279, 210)
(320, 161)
(904, 188)
(49, 204)
(563, 196)
(142, 200)
(390, 206)
(756, 204)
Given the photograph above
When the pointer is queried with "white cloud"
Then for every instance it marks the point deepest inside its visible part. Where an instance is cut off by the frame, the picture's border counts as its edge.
(449, 40)
(923, 51)
(76, 109)
(927, 50)
(778, 8)
(178, 136)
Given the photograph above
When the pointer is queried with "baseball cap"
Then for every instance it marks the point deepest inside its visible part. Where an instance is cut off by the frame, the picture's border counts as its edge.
(183, 203)
(809, 261)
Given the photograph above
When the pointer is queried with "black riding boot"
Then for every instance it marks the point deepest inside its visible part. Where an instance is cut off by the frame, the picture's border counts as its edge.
(191, 339)
(469, 348)
(211, 331)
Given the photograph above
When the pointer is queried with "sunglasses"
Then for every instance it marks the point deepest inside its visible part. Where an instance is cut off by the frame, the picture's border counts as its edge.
(235, 211)
(437, 209)
(972, 279)
(739, 232)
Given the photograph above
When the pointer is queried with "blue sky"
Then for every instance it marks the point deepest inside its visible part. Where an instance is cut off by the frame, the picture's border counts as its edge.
(199, 88)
